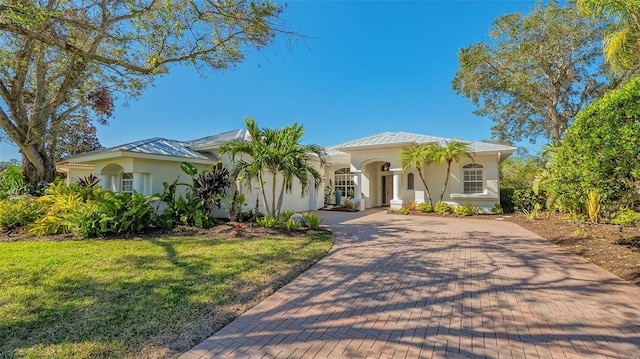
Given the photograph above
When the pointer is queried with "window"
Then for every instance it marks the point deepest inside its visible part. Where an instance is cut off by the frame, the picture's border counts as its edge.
(410, 181)
(127, 183)
(472, 178)
(343, 181)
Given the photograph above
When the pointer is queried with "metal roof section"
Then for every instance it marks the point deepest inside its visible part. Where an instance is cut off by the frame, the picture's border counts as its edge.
(210, 142)
(387, 139)
(157, 146)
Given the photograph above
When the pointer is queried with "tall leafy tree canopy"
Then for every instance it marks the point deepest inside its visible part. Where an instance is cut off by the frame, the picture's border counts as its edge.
(537, 73)
(63, 60)
(622, 41)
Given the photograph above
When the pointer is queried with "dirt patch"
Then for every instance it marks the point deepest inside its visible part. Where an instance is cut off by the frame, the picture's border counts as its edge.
(614, 248)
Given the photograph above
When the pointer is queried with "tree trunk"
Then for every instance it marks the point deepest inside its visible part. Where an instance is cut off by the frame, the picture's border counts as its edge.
(37, 165)
(446, 180)
(425, 187)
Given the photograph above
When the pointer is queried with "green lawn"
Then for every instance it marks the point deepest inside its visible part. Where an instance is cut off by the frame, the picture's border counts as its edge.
(129, 298)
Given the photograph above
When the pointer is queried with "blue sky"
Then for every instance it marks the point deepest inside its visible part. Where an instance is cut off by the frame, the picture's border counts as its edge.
(364, 68)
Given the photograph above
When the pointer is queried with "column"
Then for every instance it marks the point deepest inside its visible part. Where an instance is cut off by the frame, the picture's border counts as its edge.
(357, 192)
(105, 182)
(396, 202)
(138, 183)
(115, 183)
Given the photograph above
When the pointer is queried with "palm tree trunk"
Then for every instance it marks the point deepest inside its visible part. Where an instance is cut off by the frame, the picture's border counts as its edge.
(424, 183)
(264, 196)
(273, 197)
(280, 198)
(446, 180)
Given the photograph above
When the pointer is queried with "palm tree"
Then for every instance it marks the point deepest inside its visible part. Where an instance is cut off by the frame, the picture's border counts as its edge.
(452, 151)
(622, 45)
(275, 152)
(415, 156)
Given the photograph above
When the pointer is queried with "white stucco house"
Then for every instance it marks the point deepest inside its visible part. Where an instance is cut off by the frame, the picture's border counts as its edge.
(367, 168)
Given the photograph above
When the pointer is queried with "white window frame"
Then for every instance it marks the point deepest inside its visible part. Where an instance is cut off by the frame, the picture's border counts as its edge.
(126, 183)
(473, 178)
(343, 180)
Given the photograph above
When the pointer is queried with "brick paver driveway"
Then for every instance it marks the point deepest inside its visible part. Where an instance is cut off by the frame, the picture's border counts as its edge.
(421, 287)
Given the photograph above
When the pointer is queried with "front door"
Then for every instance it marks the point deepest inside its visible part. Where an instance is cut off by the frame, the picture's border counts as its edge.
(387, 189)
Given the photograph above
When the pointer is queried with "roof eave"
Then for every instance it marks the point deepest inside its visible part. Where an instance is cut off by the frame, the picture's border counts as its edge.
(102, 156)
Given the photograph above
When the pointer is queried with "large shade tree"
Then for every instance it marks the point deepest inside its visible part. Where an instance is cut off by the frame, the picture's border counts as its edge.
(278, 156)
(537, 72)
(622, 41)
(61, 60)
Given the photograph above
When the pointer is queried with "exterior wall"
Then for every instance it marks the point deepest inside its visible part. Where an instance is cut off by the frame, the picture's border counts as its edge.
(74, 173)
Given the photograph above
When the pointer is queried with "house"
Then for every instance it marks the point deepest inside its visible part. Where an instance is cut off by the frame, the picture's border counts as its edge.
(366, 169)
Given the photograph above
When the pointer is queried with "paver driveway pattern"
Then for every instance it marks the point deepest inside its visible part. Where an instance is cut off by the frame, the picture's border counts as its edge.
(419, 287)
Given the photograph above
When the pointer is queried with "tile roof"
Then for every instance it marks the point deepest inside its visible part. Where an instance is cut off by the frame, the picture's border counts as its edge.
(399, 138)
(74, 164)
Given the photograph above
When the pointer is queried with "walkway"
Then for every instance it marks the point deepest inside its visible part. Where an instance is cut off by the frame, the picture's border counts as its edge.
(433, 287)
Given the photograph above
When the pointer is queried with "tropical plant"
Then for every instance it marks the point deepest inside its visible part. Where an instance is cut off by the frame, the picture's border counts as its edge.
(313, 220)
(89, 181)
(497, 209)
(268, 221)
(443, 208)
(416, 156)
(627, 217)
(467, 209)
(19, 211)
(60, 200)
(275, 153)
(452, 151)
(402, 210)
(410, 205)
(329, 191)
(292, 224)
(532, 214)
(11, 182)
(622, 43)
(593, 206)
(424, 207)
(286, 214)
(537, 72)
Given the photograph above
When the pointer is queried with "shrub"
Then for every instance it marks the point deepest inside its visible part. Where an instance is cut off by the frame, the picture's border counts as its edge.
(286, 214)
(402, 210)
(411, 206)
(627, 217)
(268, 222)
(313, 220)
(526, 199)
(533, 213)
(506, 199)
(467, 209)
(11, 182)
(443, 208)
(19, 211)
(424, 207)
(291, 224)
(601, 151)
(497, 209)
(593, 206)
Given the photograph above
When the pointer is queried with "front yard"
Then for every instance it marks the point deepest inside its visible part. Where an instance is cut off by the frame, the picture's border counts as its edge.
(152, 297)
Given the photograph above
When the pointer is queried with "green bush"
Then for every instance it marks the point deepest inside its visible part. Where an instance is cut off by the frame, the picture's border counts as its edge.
(627, 217)
(443, 208)
(526, 199)
(402, 210)
(424, 207)
(601, 152)
(10, 182)
(506, 199)
(286, 214)
(467, 209)
(497, 209)
(268, 222)
(113, 214)
(19, 211)
(291, 224)
(313, 220)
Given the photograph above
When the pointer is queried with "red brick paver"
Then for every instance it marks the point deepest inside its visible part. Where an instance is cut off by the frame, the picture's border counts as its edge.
(431, 287)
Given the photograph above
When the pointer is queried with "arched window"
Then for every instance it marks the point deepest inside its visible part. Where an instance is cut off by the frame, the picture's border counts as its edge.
(410, 184)
(127, 183)
(472, 178)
